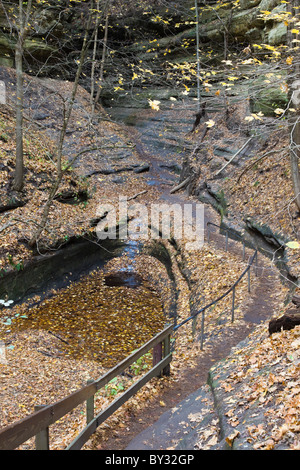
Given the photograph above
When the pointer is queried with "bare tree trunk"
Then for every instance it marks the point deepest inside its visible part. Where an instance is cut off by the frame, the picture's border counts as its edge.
(59, 154)
(18, 181)
(102, 64)
(294, 159)
(295, 122)
(94, 57)
(226, 34)
(23, 27)
(198, 56)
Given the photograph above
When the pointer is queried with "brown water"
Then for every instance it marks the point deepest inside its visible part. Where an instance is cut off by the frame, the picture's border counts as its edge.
(98, 320)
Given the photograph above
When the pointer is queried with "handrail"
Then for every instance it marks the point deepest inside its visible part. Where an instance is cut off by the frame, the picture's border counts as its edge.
(225, 228)
(81, 439)
(231, 289)
(219, 298)
(236, 235)
(15, 434)
(38, 423)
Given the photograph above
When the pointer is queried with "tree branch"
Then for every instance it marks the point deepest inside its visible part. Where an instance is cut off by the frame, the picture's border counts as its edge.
(235, 155)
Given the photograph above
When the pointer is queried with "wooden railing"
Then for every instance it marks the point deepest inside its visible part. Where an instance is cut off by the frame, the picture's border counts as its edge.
(252, 260)
(38, 423)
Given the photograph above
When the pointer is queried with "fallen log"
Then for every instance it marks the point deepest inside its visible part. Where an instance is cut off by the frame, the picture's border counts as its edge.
(180, 186)
(287, 322)
(235, 155)
(136, 195)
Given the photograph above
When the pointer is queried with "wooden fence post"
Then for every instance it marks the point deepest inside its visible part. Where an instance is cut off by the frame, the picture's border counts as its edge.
(157, 355)
(233, 299)
(42, 438)
(249, 274)
(167, 349)
(202, 329)
(90, 406)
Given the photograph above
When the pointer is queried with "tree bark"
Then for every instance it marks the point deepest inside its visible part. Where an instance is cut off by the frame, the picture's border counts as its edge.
(198, 56)
(22, 30)
(102, 63)
(59, 153)
(294, 159)
(294, 124)
(19, 168)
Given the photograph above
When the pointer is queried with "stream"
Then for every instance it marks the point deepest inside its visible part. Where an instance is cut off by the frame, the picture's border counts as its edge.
(98, 308)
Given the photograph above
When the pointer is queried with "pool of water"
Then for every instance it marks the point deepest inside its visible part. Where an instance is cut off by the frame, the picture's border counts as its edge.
(103, 317)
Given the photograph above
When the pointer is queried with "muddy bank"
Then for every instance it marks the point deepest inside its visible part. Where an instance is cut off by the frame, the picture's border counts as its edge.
(54, 270)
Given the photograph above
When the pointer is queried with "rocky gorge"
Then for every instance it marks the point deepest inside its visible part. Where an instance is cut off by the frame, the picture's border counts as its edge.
(150, 154)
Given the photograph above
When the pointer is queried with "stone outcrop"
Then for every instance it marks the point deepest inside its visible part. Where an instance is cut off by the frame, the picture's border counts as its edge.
(55, 30)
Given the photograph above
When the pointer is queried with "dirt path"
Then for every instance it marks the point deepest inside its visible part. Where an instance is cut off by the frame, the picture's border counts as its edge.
(261, 307)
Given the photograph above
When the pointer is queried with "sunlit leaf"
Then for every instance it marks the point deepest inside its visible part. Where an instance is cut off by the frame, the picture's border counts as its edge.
(154, 104)
(293, 245)
(210, 123)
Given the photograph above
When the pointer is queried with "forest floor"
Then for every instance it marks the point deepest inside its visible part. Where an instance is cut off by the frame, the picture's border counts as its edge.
(28, 372)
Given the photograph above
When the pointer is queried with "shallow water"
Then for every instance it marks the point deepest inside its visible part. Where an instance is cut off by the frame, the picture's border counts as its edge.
(96, 321)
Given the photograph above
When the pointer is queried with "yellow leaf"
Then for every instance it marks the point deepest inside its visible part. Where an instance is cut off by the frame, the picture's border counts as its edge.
(231, 438)
(154, 104)
(293, 245)
(289, 60)
(256, 116)
(210, 123)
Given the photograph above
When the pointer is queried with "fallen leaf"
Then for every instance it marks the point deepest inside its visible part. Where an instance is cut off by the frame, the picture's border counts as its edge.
(293, 245)
(231, 438)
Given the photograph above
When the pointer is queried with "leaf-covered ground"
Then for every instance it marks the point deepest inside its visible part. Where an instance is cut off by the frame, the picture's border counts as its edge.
(257, 185)
(112, 151)
(258, 390)
(38, 366)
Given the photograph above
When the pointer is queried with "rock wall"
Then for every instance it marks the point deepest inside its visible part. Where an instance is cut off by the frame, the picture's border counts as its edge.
(56, 31)
(245, 25)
